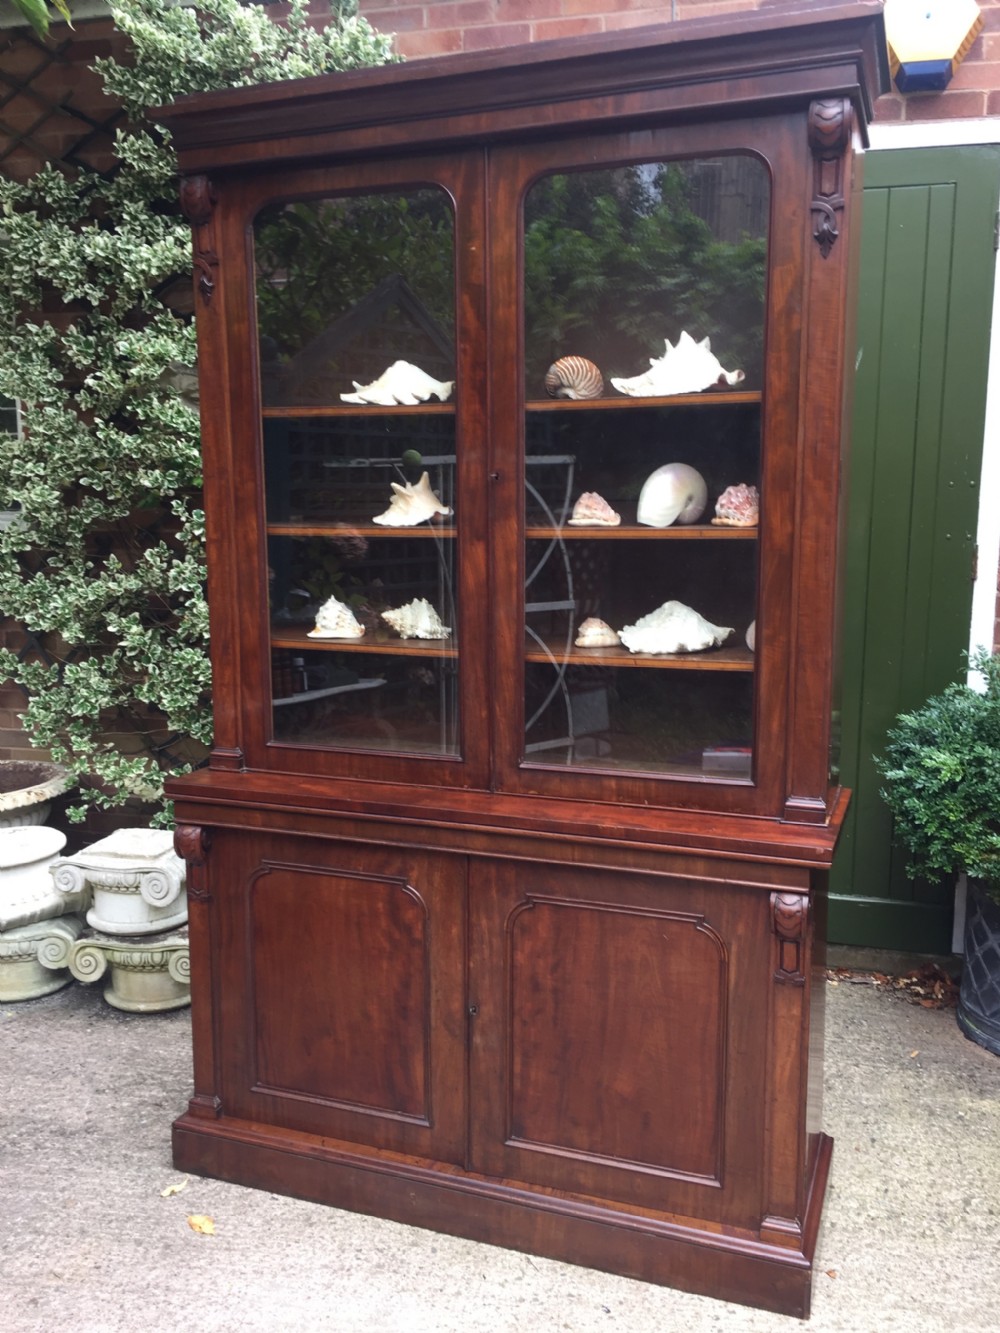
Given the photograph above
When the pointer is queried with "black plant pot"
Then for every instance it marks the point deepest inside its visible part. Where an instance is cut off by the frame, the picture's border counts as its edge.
(979, 994)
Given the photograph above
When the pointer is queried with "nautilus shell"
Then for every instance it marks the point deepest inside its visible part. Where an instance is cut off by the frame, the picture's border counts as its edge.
(334, 620)
(411, 504)
(674, 493)
(573, 377)
(595, 633)
(688, 367)
(401, 383)
(673, 628)
(593, 511)
(737, 507)
(417, 620)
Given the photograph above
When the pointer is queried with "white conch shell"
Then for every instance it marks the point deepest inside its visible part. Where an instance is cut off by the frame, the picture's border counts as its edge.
(593, 511)
(689, 367)
(674, 493)
(334, 620)
(417, 620)
(573, 377)
(401, 383)
(737, 507)
(751, 636)
(411, 504)
(595, 633)
(673, 628)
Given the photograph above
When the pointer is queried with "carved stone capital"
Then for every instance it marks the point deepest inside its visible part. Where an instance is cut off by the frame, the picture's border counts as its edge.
(830, 124)
(789, 921)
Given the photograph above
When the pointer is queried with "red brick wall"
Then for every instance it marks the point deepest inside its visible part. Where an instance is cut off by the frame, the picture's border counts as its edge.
(433, 27)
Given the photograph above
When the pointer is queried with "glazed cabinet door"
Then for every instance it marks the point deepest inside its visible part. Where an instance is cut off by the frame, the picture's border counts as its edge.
(339, 990)
(619, 1042)
(645, 471)
(359, 449)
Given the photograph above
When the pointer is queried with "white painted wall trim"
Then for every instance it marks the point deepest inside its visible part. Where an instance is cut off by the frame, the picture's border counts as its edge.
(984, 594)
(934, 133)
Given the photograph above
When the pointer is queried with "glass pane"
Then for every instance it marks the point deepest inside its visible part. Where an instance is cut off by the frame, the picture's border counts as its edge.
(643, 465)
(355, 306)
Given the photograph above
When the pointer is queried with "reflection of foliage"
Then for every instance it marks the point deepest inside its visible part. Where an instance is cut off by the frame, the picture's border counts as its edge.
(617, 261)
(316, 260)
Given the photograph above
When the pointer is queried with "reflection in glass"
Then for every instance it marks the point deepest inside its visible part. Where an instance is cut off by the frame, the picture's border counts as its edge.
(345, 288)
(617, 262)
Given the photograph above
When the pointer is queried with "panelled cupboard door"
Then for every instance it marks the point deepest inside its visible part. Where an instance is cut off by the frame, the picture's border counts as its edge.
(357, 444)
(340, 1012)
(605, 1038)
(611, 252)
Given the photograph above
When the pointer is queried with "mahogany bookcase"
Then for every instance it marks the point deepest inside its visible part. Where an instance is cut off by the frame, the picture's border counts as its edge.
(493, 932)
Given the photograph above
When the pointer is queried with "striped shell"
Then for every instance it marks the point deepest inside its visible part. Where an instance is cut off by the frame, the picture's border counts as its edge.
(573, 377)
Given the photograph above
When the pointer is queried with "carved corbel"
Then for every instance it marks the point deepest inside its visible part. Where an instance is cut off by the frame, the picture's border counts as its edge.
(830, 124)
(789, 919)
(198, 204)
(191, 844)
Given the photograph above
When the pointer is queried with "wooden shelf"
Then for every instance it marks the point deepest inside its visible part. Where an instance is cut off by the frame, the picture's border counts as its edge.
(636, 532)
(711, 659)
(722, 398)
(376, 641)
(324, 410)
(363, 529)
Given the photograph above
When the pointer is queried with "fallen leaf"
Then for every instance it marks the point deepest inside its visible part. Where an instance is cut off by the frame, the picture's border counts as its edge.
(205, 1226)
(831, 1272)
(913, 1054)
(175, 1188)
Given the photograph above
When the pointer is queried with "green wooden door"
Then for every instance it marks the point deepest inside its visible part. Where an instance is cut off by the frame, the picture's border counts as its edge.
(924, 316)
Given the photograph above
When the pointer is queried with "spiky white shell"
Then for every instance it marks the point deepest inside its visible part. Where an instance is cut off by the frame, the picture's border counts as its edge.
(737, 507)
(673, 628)
(411, 504)
(688, 367)
(401, 383)
(595, 633)
(334, 620)
(573, 377)
(417, 620)
(593, 511)
(674, 493)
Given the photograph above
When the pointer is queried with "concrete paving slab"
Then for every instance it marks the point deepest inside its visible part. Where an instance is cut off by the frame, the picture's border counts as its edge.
(910, 1241)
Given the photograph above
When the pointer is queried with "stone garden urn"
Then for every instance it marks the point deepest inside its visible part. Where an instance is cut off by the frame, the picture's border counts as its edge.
(27, 787)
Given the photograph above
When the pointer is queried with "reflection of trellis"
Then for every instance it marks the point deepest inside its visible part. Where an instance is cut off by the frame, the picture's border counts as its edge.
(356, 346)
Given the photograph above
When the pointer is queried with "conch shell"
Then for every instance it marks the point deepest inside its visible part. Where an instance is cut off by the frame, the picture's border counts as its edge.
(417, 620)
(401, 383)
(737, 507)
(593, 511)
(690, 367)
(594, 633)
(673, 628)
(411, 504)
(573, 377)
(674, 493)
(334, 620)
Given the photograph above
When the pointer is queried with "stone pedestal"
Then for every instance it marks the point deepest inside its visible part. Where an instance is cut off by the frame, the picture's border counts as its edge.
(146, 973)
(27, 892)
(136, 878)
(34, 957)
